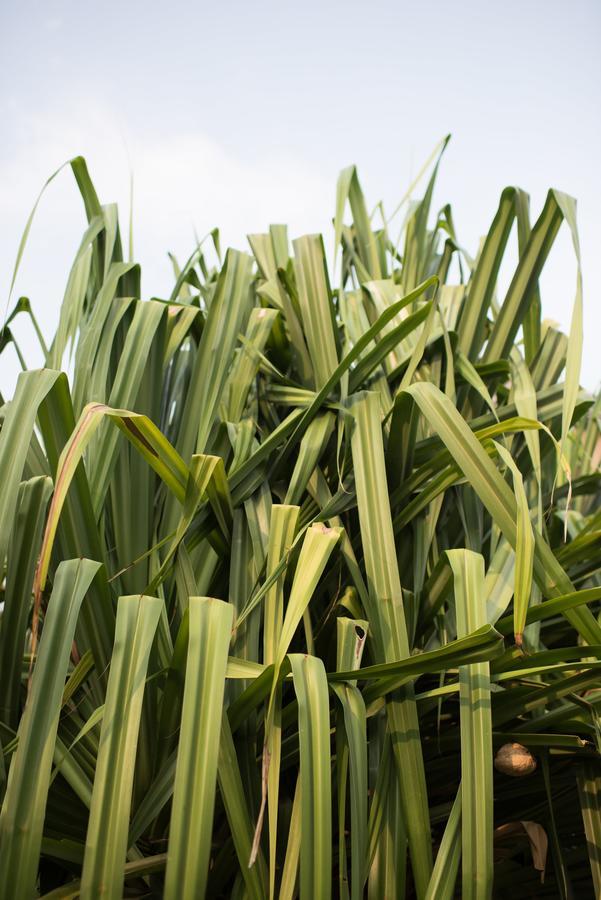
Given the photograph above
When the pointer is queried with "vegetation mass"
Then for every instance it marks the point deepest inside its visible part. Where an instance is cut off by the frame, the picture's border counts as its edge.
(302, 570)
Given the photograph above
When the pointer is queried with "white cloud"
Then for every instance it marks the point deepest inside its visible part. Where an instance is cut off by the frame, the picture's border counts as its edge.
(186, 181)
(182, 183)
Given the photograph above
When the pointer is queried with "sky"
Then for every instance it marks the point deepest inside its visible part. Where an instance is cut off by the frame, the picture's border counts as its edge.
(241, 114)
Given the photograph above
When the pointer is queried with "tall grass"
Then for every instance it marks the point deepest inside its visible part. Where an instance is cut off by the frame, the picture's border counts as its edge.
(303, 571)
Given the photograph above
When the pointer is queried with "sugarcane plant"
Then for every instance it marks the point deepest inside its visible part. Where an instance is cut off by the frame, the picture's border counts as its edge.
(302, 570)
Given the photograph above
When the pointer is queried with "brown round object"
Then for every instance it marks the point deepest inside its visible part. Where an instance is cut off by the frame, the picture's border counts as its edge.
(515, 760)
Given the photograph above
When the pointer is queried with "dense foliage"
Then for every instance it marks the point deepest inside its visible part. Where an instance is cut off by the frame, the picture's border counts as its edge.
(289, 557)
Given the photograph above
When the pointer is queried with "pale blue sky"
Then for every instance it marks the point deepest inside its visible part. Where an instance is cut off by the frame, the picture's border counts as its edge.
(241, 114)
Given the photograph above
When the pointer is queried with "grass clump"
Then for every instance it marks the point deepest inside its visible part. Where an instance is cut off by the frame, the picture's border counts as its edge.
(302, 572)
